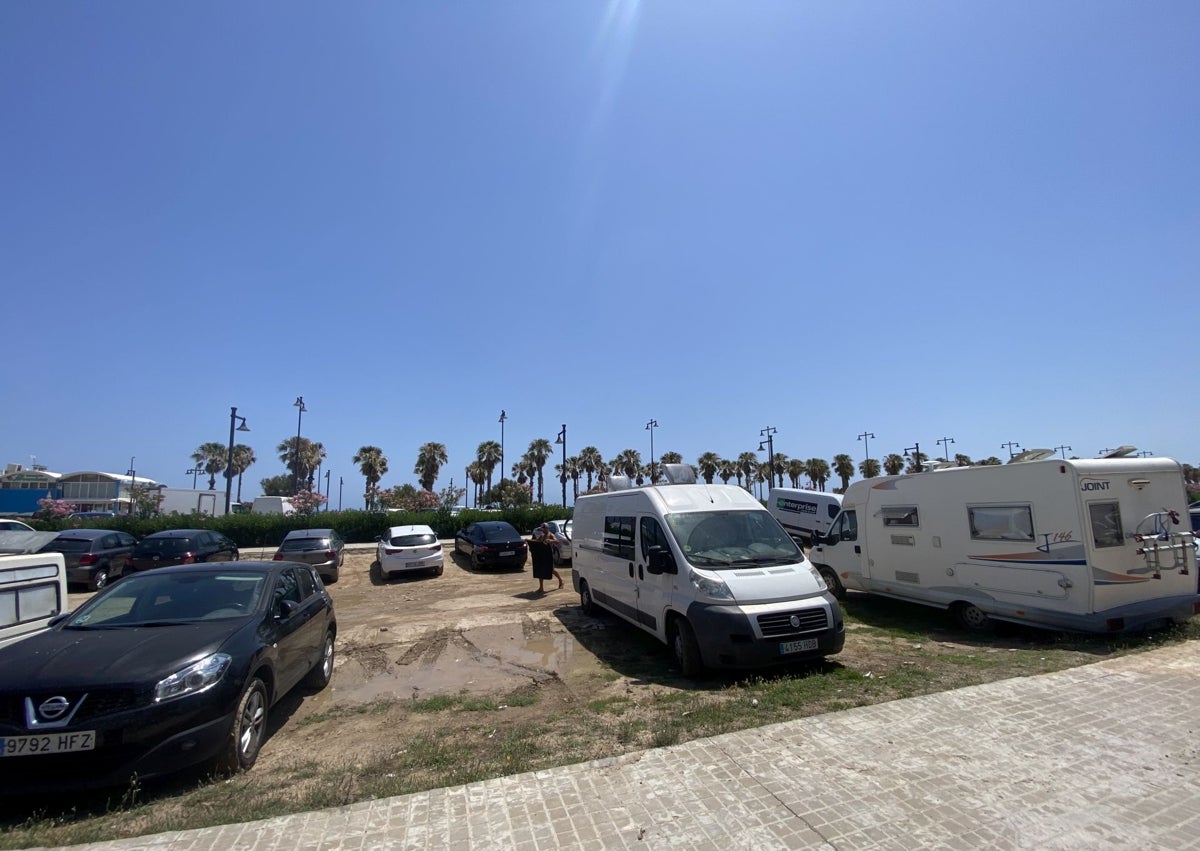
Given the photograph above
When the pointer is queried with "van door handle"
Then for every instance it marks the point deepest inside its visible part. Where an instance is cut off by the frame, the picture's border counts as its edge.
(631, 570)
(641, 575)
(857, 550)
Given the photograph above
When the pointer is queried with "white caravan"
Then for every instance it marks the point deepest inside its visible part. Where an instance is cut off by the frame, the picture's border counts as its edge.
(804, 513)
(705, 569)
(1098, 545)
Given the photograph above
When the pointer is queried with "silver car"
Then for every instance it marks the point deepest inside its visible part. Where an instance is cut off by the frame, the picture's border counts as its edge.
(324, 549)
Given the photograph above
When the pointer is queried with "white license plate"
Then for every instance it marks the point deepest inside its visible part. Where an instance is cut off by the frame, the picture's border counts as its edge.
(798, 646)
(83, 740)
(412, 565)
(508, 553)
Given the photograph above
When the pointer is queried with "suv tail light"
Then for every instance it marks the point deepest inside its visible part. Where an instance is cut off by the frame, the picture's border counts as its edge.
(86, 559)
(331, 554)
(277, 557)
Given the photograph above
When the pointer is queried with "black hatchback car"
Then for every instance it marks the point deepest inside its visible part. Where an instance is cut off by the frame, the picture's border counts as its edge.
(180, 546)
(492, 543)
(163, 670)
(94, 556)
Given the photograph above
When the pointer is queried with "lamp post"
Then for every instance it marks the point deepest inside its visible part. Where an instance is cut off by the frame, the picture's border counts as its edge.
(1010, 446)
(767, 432)
(866, 444)
(233, 420)
(195, 471)
(1063, 449)
(340, 483)
(503, 417)
(327, 472)
(916, 448)
(132, 473)
(650, 427)
(562, 438)
(945, 442)
(299, 403)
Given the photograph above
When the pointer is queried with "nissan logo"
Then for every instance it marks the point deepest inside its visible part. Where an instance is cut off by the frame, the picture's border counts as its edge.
(53, 707)
(794, 621)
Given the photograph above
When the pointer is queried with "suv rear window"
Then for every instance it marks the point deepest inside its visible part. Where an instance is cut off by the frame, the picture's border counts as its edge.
(163, 546)
(413, 540)
(300, 545)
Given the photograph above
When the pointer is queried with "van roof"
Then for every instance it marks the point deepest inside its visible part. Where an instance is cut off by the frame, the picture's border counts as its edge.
(682, 498)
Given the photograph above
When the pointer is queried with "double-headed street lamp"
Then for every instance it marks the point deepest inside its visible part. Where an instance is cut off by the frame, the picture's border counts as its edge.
(299, 403)
(1012, 444)
(562, 438)
(233, 420)
(945, 444)
(195, 471)
(650, 427)
(767, 432)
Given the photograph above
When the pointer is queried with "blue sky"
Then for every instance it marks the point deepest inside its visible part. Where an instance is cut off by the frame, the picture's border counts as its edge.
(921, 220)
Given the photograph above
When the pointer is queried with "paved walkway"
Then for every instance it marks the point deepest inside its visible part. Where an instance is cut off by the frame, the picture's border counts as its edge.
(1099, 757)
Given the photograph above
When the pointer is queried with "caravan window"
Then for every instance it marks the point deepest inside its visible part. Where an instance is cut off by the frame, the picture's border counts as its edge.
(618, 537)
(900, 515)
(1001, 522)
(1106, 524)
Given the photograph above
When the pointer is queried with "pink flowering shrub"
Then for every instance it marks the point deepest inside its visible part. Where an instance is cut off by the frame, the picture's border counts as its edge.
(54, 509)
(306, 502)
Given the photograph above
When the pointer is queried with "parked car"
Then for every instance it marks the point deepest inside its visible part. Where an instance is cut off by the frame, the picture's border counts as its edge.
(407, 548)
(324, 549)
(180, 546)
(163, 670)
(560, 546)
(492, 543)
(94, 556)
(15, 526)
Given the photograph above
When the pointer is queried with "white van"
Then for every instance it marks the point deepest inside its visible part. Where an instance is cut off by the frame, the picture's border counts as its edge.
(804, 513)
(272, 505)
(706, 570)
(1093, 545)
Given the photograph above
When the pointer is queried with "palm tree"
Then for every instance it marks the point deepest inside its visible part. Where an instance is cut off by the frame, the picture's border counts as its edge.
(243, 459)
(961, 460)
(538, 453)
(916, 461)
(893, 464)
(745, 465)
(477, 471)
(523, 470)
(572, 471)
(726, 470)
(671, 458)
(869, 468)
(213, 458)
(817, 469)
(314, 456)
(843, 467)
(778, 465)
(708, 463)
(795, 469)
(590, 462)
(627, 462)
(300, 456)
(430, 458)
(374, 466)
(489, 454)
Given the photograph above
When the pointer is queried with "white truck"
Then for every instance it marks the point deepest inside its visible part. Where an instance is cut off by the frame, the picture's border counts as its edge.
(272, 505)
(804, 514)
(33, 585)
(1094, 545)
(706, 570)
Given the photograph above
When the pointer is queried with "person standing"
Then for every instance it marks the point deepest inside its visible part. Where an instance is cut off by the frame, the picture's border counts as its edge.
(542, 552)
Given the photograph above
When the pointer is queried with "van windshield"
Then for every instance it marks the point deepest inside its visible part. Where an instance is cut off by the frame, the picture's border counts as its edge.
(724, 539)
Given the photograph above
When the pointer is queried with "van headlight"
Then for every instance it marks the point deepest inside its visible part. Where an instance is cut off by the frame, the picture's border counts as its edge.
(193, 679)
(816, 574)
(712, 588)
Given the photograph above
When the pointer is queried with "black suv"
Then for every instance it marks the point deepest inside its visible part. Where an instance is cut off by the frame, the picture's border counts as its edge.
(180, 546)
(94, 556)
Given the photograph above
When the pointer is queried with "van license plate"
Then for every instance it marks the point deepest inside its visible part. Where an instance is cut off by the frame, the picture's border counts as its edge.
(84, 740)
(508, 553)
(798, 646)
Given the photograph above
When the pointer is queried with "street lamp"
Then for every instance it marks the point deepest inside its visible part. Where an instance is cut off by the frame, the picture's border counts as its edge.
(233, 420)
(132, 482)
(195, 471)
(767, 432)
(945, 442)
(1064, 450)
(650, 427)
(1012, 444)
(866, 444)
(327, 472)
(299, 403)
(916, 449)
(503, 417)
(340, 483)
(562, 438)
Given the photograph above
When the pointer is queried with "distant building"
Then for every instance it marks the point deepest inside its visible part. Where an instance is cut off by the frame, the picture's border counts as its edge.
(95, 491)
(21, 487)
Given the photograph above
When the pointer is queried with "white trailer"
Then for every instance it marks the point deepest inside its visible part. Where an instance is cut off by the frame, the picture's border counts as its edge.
(189, 501)
(1098, 545)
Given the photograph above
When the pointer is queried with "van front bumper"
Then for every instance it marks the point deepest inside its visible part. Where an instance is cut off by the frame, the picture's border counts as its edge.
(734, 637)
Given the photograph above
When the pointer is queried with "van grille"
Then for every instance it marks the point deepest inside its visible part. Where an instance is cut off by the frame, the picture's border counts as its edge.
(777, 624)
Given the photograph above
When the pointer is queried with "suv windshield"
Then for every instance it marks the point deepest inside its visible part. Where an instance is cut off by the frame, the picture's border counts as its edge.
(722, 539)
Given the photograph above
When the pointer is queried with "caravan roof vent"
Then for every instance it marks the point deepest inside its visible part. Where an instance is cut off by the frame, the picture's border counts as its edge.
(679, 474)
(618, 483)
(1122, 451)
(1031, 455)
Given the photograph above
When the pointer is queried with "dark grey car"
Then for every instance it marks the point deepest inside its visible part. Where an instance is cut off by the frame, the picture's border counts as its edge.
(324, 549)
(93, 556)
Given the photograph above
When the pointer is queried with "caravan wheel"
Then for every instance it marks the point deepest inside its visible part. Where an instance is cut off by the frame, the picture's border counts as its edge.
(836, 588)
(971, 617)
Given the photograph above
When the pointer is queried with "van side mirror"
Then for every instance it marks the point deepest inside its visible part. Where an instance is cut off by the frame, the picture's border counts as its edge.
(827, 540)
(661, 561)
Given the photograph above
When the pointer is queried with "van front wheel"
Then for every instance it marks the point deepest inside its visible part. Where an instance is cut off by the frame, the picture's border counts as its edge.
(687, 651)
(972, 618)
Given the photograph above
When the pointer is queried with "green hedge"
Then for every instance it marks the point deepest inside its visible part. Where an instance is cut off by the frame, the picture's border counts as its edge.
(267, 530)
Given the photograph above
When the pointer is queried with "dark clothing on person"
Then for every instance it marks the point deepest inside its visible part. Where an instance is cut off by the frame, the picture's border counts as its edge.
(543, 559)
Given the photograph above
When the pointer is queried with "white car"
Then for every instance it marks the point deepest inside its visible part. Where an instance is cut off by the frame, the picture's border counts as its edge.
(561, 545)
(15, 526)
(409, 548)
